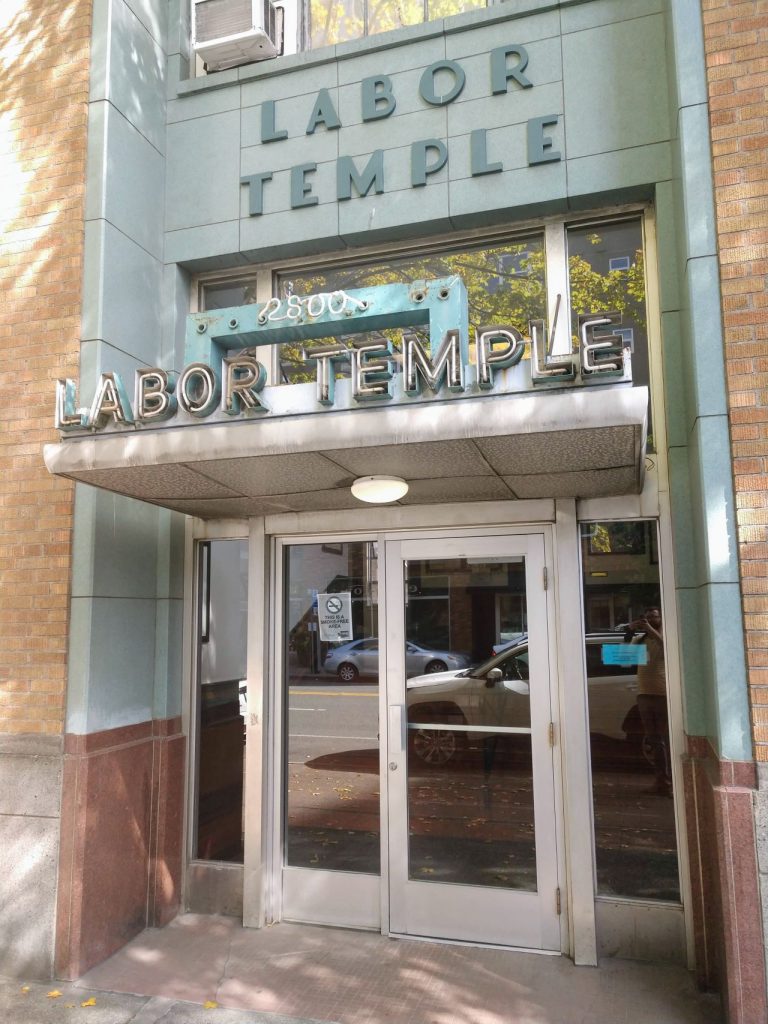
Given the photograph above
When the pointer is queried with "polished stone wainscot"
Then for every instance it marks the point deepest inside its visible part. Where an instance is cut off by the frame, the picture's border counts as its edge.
(120, 863)
(724, 850)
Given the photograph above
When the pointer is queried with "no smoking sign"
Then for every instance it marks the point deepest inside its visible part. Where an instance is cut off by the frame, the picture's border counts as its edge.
(334, 613)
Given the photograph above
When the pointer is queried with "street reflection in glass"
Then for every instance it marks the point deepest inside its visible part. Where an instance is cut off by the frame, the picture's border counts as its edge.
(331, 707)
(635, 838)
(470, 791)
(471, 818)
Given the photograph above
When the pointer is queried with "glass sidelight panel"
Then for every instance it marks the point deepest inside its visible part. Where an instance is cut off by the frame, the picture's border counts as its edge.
(635, 838)
(331, 687)
(470, 781)
(222, 625)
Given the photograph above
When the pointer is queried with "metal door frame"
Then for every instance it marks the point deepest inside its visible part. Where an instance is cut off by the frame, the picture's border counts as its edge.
(545, 933)
(263, 869)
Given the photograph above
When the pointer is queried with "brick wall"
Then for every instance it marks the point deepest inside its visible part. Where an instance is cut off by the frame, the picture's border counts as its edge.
(736, 41)
(43, 113)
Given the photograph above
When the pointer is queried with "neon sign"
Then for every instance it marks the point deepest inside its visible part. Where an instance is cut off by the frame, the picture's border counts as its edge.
(223, 378)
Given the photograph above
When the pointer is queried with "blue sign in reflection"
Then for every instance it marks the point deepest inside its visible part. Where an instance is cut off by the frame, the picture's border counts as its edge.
(625, 654)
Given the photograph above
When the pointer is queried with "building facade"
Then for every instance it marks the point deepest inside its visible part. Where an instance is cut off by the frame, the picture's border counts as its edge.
(512, 255)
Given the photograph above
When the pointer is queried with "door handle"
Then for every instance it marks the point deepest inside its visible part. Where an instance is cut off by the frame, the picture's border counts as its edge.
(396, 729)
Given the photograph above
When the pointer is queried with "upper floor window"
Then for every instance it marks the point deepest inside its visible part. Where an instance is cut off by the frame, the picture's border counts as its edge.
(233, 33)
(336, 21)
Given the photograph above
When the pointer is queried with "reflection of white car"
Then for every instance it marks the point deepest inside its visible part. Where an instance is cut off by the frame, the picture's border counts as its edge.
(507, 640)
(361, 658)
(496, 693)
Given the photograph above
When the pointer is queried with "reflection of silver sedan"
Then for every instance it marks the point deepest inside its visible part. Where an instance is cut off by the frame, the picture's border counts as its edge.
(361, 658)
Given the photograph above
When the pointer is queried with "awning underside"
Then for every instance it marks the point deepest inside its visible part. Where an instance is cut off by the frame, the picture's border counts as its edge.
(583, 444)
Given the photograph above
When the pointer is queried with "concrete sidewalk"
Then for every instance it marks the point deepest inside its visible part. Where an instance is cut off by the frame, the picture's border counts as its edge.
(211, 970)
(31, 1003)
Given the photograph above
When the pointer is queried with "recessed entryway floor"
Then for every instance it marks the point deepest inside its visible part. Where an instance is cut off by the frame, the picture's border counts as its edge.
(351, 977)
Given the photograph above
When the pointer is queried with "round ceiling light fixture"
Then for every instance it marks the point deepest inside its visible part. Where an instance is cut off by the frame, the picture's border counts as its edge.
(378, 490)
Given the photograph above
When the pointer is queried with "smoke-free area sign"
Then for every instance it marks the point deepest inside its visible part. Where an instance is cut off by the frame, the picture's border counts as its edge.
(334, 613)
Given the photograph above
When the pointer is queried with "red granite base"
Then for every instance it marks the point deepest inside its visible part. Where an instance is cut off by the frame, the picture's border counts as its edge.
(724, 879)
(121, 839)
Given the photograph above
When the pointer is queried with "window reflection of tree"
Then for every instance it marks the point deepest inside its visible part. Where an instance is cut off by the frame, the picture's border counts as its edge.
(336, 21)
(617, 539)
(523, 298)
(496, 295)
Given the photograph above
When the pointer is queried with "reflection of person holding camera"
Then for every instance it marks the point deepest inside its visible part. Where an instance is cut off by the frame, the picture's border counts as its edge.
(652, 695)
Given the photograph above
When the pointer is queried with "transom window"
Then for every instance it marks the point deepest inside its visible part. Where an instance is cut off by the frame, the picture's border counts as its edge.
(509, 282)
(496, 295)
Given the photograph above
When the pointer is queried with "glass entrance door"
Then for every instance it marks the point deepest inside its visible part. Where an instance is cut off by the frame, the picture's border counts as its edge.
(413, 711)
(329, 800)
(472, 826)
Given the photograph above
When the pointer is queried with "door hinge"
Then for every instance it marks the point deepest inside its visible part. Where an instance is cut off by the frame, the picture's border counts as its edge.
(545, 575)
(558, 905)
(551, 732)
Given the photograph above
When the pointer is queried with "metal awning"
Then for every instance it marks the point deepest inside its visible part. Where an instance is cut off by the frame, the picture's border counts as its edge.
(584, 443)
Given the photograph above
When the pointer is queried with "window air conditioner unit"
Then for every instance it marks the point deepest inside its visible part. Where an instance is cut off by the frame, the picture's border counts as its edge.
(228, 33)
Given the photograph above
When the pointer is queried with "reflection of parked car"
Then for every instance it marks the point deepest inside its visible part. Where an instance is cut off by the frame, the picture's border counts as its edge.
(361, 658)
(496, 693)
(507, 640)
